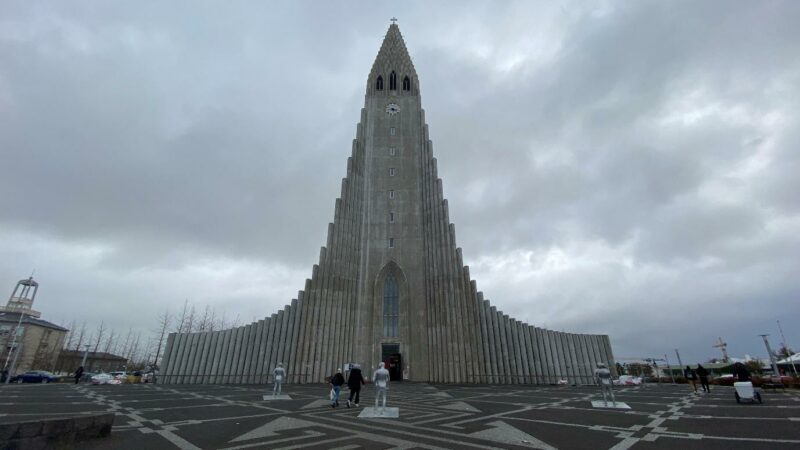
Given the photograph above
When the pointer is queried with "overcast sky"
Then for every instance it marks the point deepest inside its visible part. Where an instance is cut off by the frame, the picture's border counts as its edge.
(625, 168)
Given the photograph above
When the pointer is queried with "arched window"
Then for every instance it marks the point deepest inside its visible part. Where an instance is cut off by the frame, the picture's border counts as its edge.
(393, 81)
(406, 84)
(391, 307)
(379, 83)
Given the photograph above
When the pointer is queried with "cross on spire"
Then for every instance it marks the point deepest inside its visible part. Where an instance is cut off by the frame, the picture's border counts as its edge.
(394, 20)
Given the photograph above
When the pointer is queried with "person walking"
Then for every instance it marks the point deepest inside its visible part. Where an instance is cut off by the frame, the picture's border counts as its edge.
(691, 377)
(78, 374)
(354, 382)
(336, 384)
(703, 374)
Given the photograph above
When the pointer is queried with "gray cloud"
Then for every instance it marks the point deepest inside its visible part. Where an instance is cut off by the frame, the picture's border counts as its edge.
(614, 168)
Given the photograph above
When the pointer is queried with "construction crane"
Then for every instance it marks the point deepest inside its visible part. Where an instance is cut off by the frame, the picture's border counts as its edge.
(722, 345)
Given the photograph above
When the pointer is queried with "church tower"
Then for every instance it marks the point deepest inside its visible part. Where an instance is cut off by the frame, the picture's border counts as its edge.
(390, 285)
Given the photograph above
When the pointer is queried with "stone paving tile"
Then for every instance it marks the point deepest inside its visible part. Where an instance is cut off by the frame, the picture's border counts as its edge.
(431, 416)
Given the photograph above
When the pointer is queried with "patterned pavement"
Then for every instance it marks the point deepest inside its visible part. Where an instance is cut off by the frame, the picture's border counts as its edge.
(431, 417)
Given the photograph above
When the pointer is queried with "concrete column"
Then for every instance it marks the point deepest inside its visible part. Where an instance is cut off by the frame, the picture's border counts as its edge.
(586, 352)
(247, 353)
(304, 335)
(536, 355)
(282, 342)
(262, 367)
(508, 363)
(291, 354)
(294, 350)
(218, 367)
(554, 350)
(485, 337)
(230, 358)
(512, 353)
(241, 360)
(166, 360)
(177, 350)
(251, 374)
(269, 366)
(490, 337)
(186, 344)
(572, 359)
(198, 370)
(541, 344)
(212, 350)
(526, 352)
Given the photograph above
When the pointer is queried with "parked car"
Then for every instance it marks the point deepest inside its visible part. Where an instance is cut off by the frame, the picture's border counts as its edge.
(102, 378)
(627, 380)
(34, 376)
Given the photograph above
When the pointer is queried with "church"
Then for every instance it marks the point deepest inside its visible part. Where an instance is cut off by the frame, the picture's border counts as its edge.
(390, 284)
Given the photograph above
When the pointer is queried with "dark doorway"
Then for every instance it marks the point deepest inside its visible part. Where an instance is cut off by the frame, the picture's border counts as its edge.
(393, 361)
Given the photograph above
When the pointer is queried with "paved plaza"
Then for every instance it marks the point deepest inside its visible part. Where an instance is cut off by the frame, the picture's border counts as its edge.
(546, 417)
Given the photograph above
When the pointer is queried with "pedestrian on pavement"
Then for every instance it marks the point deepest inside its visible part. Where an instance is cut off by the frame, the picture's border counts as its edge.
(354, 382)
(78, 374)
(336, 384)
(691, 377)
(740, 372)
(703, 374)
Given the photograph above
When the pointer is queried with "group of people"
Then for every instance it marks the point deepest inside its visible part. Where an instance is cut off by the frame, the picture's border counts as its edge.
(354, 381)
(693, 374)
(380, 378)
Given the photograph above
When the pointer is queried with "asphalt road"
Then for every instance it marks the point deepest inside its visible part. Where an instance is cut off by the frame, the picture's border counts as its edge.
(235, 417)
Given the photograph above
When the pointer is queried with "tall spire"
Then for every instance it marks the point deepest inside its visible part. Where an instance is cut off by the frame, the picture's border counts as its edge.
(393, 57)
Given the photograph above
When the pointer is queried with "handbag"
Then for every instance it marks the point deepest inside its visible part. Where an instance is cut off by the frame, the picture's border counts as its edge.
(333, 394)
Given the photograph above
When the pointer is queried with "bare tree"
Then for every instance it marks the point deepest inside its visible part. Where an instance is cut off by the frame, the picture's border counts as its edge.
(182, 317)
(70, 335)
(124, 350)
(163, 323)
(100, 332)
(190, 324)
(109, 342)
(204, 324)
(81, 334)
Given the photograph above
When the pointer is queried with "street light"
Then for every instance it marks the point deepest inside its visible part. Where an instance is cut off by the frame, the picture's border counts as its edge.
(771, 356)
(85, 353)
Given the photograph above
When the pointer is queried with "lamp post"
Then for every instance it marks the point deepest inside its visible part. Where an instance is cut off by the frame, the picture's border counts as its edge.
(771, 356)
(786, 347)
(85, 354)
(666, 360)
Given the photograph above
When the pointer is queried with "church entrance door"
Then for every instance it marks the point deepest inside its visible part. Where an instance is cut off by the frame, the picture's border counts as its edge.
(393, 361)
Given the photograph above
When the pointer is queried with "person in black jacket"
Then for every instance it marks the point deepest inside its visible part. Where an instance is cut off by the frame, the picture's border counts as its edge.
(703, 374)
(78, 374)
(691, 377)
(354, 382)
(336, 384)
(740, 372)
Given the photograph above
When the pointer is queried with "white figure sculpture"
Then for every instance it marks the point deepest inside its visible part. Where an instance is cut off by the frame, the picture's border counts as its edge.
(603, 377)
(279, 374)
(381, 380)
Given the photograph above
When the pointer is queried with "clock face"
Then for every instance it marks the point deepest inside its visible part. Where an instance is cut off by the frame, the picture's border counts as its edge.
(392, 109)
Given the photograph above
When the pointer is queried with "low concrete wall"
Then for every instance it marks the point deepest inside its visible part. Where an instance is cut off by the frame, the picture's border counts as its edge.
(54, 433)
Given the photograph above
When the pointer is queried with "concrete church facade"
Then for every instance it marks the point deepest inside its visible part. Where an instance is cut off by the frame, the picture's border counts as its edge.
(390, 284)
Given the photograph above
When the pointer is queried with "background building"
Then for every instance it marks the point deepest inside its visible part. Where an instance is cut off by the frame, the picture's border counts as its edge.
(70, 360)
(28, 342)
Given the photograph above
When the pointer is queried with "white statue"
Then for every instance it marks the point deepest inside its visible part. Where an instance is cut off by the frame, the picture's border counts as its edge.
(381, 380)
(603, 377)
(279, 374)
